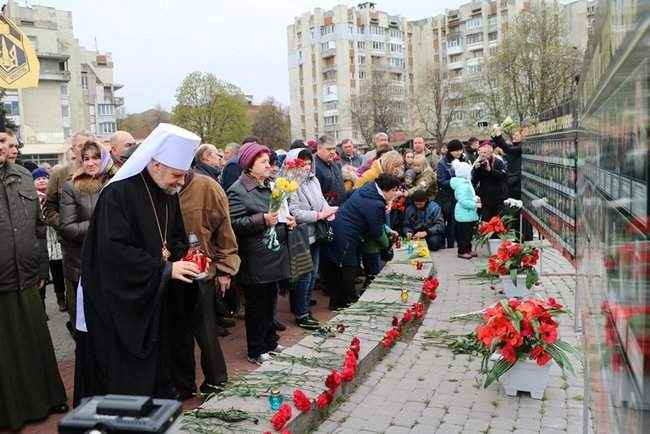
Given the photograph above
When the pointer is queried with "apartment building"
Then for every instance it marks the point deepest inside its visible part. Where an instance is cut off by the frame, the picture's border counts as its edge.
(331, 53)
(456, 43)
(75, 90)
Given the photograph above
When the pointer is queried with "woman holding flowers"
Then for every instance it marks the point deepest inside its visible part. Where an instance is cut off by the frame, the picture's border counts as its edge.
(262, 268)
(309, 206)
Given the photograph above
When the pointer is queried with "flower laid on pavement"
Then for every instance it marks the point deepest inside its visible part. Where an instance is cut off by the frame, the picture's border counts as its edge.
(513, 259)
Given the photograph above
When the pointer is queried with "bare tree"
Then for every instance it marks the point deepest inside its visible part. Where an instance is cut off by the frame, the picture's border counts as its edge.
(435, 105)
(378, 107)
(534, 68)
(271, 124)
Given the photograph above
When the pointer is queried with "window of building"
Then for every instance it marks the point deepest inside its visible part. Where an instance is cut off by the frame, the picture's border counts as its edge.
(329, 45)
(105, 109)
(361, 30)
(326, 30)
(455, 42)
(457, 115)
(474, 69)
(311, 33)
(332, 105)
(34, 41)
(492, 20)
(477, 53)
(11, 108)
(84, 80)
(379, 46)
(65, 111)
(67, 132)
(64, 89)
(300, 55)
(331, 120)
(351, 29)
(397, 62)
(361, 60)
(107, 127)
(27, 23)
(455, 58)
(493, 51)
(395, 48)
(361, 45)
(473, 23)
(396, 33)
(330, 90)
(375, 29)
(474, 38)
(492, 36)
(456, 73)
(329, 75)
(362, 75)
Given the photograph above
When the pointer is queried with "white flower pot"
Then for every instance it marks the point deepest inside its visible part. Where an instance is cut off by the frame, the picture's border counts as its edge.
(493, 245)
(525, 376)
(511, 289)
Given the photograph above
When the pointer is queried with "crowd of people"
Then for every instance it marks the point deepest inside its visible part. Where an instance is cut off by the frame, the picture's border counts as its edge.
(110, 231)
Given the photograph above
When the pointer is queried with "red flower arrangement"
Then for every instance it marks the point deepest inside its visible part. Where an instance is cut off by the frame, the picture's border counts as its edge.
(514, 258)
(429, 287)
(294, 163)
(333, 380)
(390, 336)
(324, 399)
(281, 417)
(495, 226)
(522, 329)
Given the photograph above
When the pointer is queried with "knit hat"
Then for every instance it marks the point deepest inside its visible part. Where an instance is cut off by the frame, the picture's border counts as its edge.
(454, 145)
(312, 145)
(249, 152)
(462, 170)
(40, 173)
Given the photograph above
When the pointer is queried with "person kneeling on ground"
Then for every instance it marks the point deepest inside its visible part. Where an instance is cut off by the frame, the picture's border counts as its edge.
(466, 205)
(362, 217)
(424, 220)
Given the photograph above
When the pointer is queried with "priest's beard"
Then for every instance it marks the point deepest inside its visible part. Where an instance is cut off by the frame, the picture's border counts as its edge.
(158, 179)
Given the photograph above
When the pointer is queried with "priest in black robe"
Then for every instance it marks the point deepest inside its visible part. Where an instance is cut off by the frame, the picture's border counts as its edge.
(134, 246)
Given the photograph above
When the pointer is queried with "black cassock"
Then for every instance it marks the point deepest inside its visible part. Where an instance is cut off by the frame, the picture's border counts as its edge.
(125, 284)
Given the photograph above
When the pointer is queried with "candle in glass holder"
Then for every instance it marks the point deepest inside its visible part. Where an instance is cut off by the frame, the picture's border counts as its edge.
(275, 399)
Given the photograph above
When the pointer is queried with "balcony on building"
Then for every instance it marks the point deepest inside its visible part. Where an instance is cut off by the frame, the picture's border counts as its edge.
(118, 101)
(456, 65)
(63, 76)
(455, 49)
(330, 52)
(53, 67)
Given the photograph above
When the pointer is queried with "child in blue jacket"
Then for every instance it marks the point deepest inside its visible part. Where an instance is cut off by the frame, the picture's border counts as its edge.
(466, 205)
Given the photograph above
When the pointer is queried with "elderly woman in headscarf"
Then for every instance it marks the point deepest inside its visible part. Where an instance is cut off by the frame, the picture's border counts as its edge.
(390, 163)
(262, 269)
(78, 200)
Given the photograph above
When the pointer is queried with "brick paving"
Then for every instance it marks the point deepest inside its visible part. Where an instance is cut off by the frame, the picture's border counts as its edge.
(426, 389)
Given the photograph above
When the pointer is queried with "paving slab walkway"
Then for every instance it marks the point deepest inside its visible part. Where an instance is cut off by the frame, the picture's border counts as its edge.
(427, 389)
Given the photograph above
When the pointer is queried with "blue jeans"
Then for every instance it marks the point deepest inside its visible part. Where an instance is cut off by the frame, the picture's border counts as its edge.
(305, 285)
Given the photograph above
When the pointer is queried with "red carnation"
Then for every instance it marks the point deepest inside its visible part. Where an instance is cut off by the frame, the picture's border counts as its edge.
(431, 282)
(509, 353)
(408, 316)
(348, 373)
(548, 332)
(301, 401)
(540, 355)
(282, 416)
(333, 380)
(387, 342)
(553, 304)
(324, 399)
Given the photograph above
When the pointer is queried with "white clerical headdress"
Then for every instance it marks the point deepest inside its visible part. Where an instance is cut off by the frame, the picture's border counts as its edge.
(167, 144)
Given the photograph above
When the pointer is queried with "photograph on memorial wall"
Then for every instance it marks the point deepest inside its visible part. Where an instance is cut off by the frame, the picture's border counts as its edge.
(612, 250)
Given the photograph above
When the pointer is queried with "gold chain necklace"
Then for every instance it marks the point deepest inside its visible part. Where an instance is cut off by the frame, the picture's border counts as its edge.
(163, 239)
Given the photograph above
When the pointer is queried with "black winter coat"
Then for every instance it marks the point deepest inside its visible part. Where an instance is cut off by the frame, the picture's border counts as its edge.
(513, 158)
(248, 202)
(491, 185)
(23, 258)
(76, 207)
(331, 181)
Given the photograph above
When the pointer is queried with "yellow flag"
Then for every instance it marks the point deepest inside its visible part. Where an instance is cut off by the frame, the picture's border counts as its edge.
(19, 65)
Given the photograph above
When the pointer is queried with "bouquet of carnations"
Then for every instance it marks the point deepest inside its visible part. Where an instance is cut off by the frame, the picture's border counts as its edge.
(495, 226)
(517, 330)
(513, 259)
(288, 181)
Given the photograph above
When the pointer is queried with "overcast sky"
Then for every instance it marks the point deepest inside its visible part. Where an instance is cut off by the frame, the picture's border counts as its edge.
(155, 43)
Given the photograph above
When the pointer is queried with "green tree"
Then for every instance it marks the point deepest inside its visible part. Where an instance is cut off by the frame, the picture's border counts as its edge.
(212, 108)
(271, 124)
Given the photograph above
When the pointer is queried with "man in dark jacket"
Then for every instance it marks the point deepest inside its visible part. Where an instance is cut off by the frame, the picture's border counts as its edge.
(231, 170)
(490, 178)
(423, 220)
(361, 218)
(349, 154)
(328, 172)
(471, 151)
(33, 388)
(513, 155)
